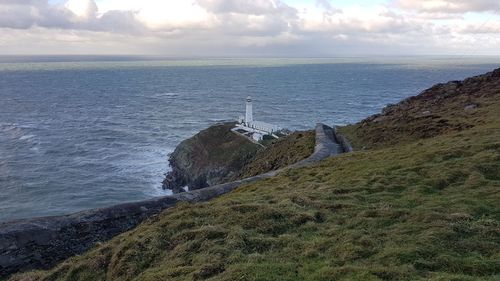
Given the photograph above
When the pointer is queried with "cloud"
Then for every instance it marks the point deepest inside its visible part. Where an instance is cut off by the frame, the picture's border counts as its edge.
(481, 29)
(74, 14)
(450, 6)
(327, 7)
(82, 9)
(242, 27)
(362, 22)
(249, 7)
(254, 18)
(24, 14)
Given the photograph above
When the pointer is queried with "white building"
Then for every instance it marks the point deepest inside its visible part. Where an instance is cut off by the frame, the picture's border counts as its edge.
(249, 111)
(258, 125)
(263, 126)
(254, 129)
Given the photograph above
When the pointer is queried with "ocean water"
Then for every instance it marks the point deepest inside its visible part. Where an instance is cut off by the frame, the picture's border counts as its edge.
(85, 132)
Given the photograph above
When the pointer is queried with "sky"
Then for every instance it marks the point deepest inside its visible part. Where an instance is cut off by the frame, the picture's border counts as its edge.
(250, 28)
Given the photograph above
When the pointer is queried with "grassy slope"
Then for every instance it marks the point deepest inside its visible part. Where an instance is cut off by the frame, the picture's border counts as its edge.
(438, 110)
(283, 152)
(424, 209)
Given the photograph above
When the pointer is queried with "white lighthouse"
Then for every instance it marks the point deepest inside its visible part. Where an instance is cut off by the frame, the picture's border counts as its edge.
(249, 112)
(254, 130)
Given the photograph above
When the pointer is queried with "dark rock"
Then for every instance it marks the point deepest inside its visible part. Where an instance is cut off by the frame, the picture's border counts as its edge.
(210, 157)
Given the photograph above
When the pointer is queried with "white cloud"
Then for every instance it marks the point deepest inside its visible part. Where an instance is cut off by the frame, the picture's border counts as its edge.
(83, 9)
(173, 14)
(244, 27)
(252, 7)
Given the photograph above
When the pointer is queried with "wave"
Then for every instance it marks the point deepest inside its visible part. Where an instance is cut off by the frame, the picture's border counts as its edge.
(15, 131)
(217, 120)
(8, 126)
(27, 137)
(158, 191)
(167, 94)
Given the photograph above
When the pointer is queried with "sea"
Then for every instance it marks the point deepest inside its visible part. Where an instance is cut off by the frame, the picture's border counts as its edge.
(82, 132)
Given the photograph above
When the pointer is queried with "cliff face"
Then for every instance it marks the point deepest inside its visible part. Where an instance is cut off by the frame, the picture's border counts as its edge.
(217, 155)
(210, 157)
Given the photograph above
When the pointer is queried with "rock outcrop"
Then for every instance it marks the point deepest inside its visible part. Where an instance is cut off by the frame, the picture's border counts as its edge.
(211, 157)
(217, 155)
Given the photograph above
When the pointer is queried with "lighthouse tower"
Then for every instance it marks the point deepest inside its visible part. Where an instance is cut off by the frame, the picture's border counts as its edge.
(249, 112)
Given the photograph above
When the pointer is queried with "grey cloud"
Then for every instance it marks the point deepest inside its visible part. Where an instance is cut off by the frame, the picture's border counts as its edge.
(387, 22)
(240, 17)
(25, 14)
(252, 17)
(120, 21)
(482, 29)
(211, 43)
(22, 2)
(450, 6)
(239, 27)
(16, 16)
(245, 25)
(254, 7)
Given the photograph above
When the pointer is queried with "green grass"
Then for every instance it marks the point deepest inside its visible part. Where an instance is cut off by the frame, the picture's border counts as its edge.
(427, 208)
(280, 153)
(439, 110)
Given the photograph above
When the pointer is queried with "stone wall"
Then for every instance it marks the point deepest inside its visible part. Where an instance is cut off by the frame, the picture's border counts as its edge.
(344, 143)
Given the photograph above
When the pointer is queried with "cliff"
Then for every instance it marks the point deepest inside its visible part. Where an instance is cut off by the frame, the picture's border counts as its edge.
(217, 155)
(210, 157)
(424, 208)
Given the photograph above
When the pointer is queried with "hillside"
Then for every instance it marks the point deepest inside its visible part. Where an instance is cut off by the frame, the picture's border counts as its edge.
(444, 108)
(283, 152)
(217, 155)
(423, 205)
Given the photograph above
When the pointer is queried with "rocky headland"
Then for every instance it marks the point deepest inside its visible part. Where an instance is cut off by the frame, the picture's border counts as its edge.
(210, 157)
(217, 155)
